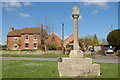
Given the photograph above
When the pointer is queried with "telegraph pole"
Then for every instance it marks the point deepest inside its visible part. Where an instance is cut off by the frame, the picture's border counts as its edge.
(63, 52)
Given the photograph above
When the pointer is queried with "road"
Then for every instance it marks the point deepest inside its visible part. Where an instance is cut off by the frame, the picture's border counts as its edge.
(55, 59)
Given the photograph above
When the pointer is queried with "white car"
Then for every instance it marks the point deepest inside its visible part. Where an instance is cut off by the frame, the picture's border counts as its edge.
(110, 51)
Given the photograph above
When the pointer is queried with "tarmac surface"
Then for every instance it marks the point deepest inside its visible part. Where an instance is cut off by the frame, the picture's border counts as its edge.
(108, 60)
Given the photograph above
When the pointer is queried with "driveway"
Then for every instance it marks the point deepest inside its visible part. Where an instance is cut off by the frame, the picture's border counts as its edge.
(55, 59)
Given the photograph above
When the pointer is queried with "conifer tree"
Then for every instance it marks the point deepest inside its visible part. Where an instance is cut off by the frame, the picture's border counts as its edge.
(95, 41)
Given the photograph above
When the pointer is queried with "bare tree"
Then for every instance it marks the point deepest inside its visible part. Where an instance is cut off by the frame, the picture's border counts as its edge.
(45, 31)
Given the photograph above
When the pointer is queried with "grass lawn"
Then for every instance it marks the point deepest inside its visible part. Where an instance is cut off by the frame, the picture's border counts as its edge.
(42, 55)
(35, 55)
(46, 69)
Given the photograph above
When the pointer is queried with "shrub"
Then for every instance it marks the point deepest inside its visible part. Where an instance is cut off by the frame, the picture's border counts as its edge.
(118, 52)
(68, 51)
(41, 47)
(51, 47)
(114, 37)
(59, 48)
(27, 50)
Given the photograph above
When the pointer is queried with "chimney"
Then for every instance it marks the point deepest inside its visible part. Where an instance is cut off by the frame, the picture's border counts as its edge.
(41, 29)
(110, 29)
(41, 25)
(11, 28)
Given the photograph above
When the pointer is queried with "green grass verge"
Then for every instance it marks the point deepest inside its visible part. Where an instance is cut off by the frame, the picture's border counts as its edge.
(89, 56)
(34, 55)
(29, 69)
(46, 69)
(42, 55)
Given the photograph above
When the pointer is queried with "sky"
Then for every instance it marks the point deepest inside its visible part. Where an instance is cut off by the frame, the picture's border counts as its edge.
(95, 17)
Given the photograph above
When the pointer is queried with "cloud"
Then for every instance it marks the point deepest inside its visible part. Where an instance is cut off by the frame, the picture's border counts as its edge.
(12, 4)
(9, 9)
(24, 15)
(27, 4)
(103, 3)
(95, 12)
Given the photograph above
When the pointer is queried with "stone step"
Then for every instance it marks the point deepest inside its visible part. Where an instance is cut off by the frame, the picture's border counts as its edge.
(75, 70)
(77, 60)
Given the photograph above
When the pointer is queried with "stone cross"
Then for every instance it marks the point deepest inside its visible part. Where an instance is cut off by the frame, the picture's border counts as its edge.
(76, 65)
(75, 15)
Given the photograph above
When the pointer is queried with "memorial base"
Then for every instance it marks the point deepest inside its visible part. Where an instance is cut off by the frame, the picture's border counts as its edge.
(76, 65)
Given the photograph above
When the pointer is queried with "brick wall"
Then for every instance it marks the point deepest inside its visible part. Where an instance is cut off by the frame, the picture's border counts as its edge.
(70, 38)
(56, 40)
(31, 41)
(11, 42)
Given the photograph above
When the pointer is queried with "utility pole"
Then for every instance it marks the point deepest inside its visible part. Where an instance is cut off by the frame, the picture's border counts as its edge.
(63, 52)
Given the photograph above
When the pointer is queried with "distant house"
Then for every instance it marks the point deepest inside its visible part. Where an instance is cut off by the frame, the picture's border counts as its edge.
(30, 38)
(25, 38)
(68, 40)
(68, 43)
(54, 39)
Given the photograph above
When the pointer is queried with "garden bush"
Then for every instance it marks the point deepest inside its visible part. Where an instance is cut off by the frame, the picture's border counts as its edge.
(41, 47)
(68, 51)
(51, 47)
(59, 48)
(118, 52)
(114, 37)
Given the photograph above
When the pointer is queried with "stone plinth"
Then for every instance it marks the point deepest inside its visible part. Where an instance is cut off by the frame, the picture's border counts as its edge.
(76, 66)
(76, 53)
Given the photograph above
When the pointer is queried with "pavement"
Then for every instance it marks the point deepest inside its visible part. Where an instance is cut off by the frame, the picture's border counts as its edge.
(108, 60)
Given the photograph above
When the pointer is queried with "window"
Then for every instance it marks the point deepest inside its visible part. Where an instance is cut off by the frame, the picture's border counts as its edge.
(35, 36)
(15, 46)
(53, 38)
(26, 45)
(26, 36)
(15, 38)
(35, 45)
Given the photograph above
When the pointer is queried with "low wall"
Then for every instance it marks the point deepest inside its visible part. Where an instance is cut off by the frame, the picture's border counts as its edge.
(30, 52)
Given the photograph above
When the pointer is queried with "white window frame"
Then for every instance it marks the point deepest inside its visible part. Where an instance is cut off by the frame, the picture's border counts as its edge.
(35, 47)
(15, 45)
(28, 45)
(15, 38)
(25, 37)
(53, 38)
(36, 36)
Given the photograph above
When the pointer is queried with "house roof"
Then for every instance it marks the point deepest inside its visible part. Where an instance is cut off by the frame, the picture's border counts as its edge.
(26, 30)
(55, 35)
(16, 32)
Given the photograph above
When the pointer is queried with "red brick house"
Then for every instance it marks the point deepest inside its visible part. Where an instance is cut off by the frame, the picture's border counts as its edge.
(70, 40)
(54, 39)
(29, 38)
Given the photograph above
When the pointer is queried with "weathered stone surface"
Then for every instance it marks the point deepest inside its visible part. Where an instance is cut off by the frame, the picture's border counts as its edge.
(77, 60)
(74, 67)
(76, 54)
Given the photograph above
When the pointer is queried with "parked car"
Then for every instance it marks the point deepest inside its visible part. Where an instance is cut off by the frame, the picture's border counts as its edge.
(110, 51)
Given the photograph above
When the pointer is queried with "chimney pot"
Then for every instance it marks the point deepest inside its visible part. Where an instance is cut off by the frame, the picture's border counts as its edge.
(11, 28)
(41, 25)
